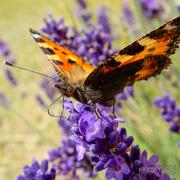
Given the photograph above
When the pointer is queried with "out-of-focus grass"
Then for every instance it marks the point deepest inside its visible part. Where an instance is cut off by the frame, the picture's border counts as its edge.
(28, 131)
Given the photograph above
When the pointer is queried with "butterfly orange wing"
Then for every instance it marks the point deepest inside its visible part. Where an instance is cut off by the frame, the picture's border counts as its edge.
(142, 59)
(67, 64)
(162, 41)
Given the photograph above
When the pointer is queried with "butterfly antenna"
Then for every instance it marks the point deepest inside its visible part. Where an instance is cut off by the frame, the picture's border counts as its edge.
(53, 104)
(62, 110)
(22, 68)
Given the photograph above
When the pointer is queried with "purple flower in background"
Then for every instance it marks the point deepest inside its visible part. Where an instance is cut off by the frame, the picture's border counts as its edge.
(10, 77)
(122, 97)
(128, 92)
(37, 171)
(4, 101)
(81, 4)
(93, 44)
(128, 14)
(6, 54)
(152, 8)
(40, 101)
(178, 8)
(82, 11)
(170, 112)
(56, 30)
(48, 88)
(103, 20)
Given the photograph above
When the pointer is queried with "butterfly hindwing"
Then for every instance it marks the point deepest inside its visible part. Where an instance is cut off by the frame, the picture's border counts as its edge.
(142, 59)
(66, 63)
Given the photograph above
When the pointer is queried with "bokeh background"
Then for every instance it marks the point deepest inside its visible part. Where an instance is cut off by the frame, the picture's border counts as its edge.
(26, 129)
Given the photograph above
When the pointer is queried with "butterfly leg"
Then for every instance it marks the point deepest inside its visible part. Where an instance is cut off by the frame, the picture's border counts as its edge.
(62, 110)
(94, 108)
(97, 115)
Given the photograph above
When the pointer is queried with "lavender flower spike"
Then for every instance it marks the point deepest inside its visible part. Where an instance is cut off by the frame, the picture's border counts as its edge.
(170, 112)
(6, 54)
(37, 171)
(107, 146)
(152, 8)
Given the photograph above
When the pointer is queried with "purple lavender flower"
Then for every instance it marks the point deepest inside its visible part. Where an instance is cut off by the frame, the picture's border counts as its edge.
(93, 44)
(40, 101)
(4, 101)
(169, 111)
(6, 54)
(66, 162)
(37, 171)
(178, 8)
(81, 4)
(128, 15)
(128, 92)
(10, 77)
(122, 97)
(103, 20)
(82, 11)
(104, 144)
(48, 88)
(56, 30)
(152, 8)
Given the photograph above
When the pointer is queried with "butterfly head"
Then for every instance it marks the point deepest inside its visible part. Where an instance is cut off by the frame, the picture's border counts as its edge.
(65, 88)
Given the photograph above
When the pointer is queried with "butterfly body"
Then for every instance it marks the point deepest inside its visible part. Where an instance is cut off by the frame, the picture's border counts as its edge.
(144, 58)
(82, 94)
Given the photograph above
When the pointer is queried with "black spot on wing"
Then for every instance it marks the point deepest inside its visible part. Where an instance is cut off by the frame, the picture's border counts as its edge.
(57, 62)
(32, 31)
(70, 61)
(36, 35)
(47, 51)
(158, 34)
(132, 49)
(151, 49)
(63, 52)
(39, 40)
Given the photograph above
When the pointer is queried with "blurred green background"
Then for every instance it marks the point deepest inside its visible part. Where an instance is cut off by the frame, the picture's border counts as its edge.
(28, 131)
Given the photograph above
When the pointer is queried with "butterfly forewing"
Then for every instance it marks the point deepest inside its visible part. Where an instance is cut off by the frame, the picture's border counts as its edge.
(67, 64)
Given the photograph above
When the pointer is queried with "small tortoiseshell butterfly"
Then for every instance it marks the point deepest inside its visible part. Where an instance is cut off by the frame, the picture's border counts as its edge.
(142, 59)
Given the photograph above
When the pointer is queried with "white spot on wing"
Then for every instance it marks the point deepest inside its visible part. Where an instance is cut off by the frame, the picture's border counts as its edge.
(36, 36)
